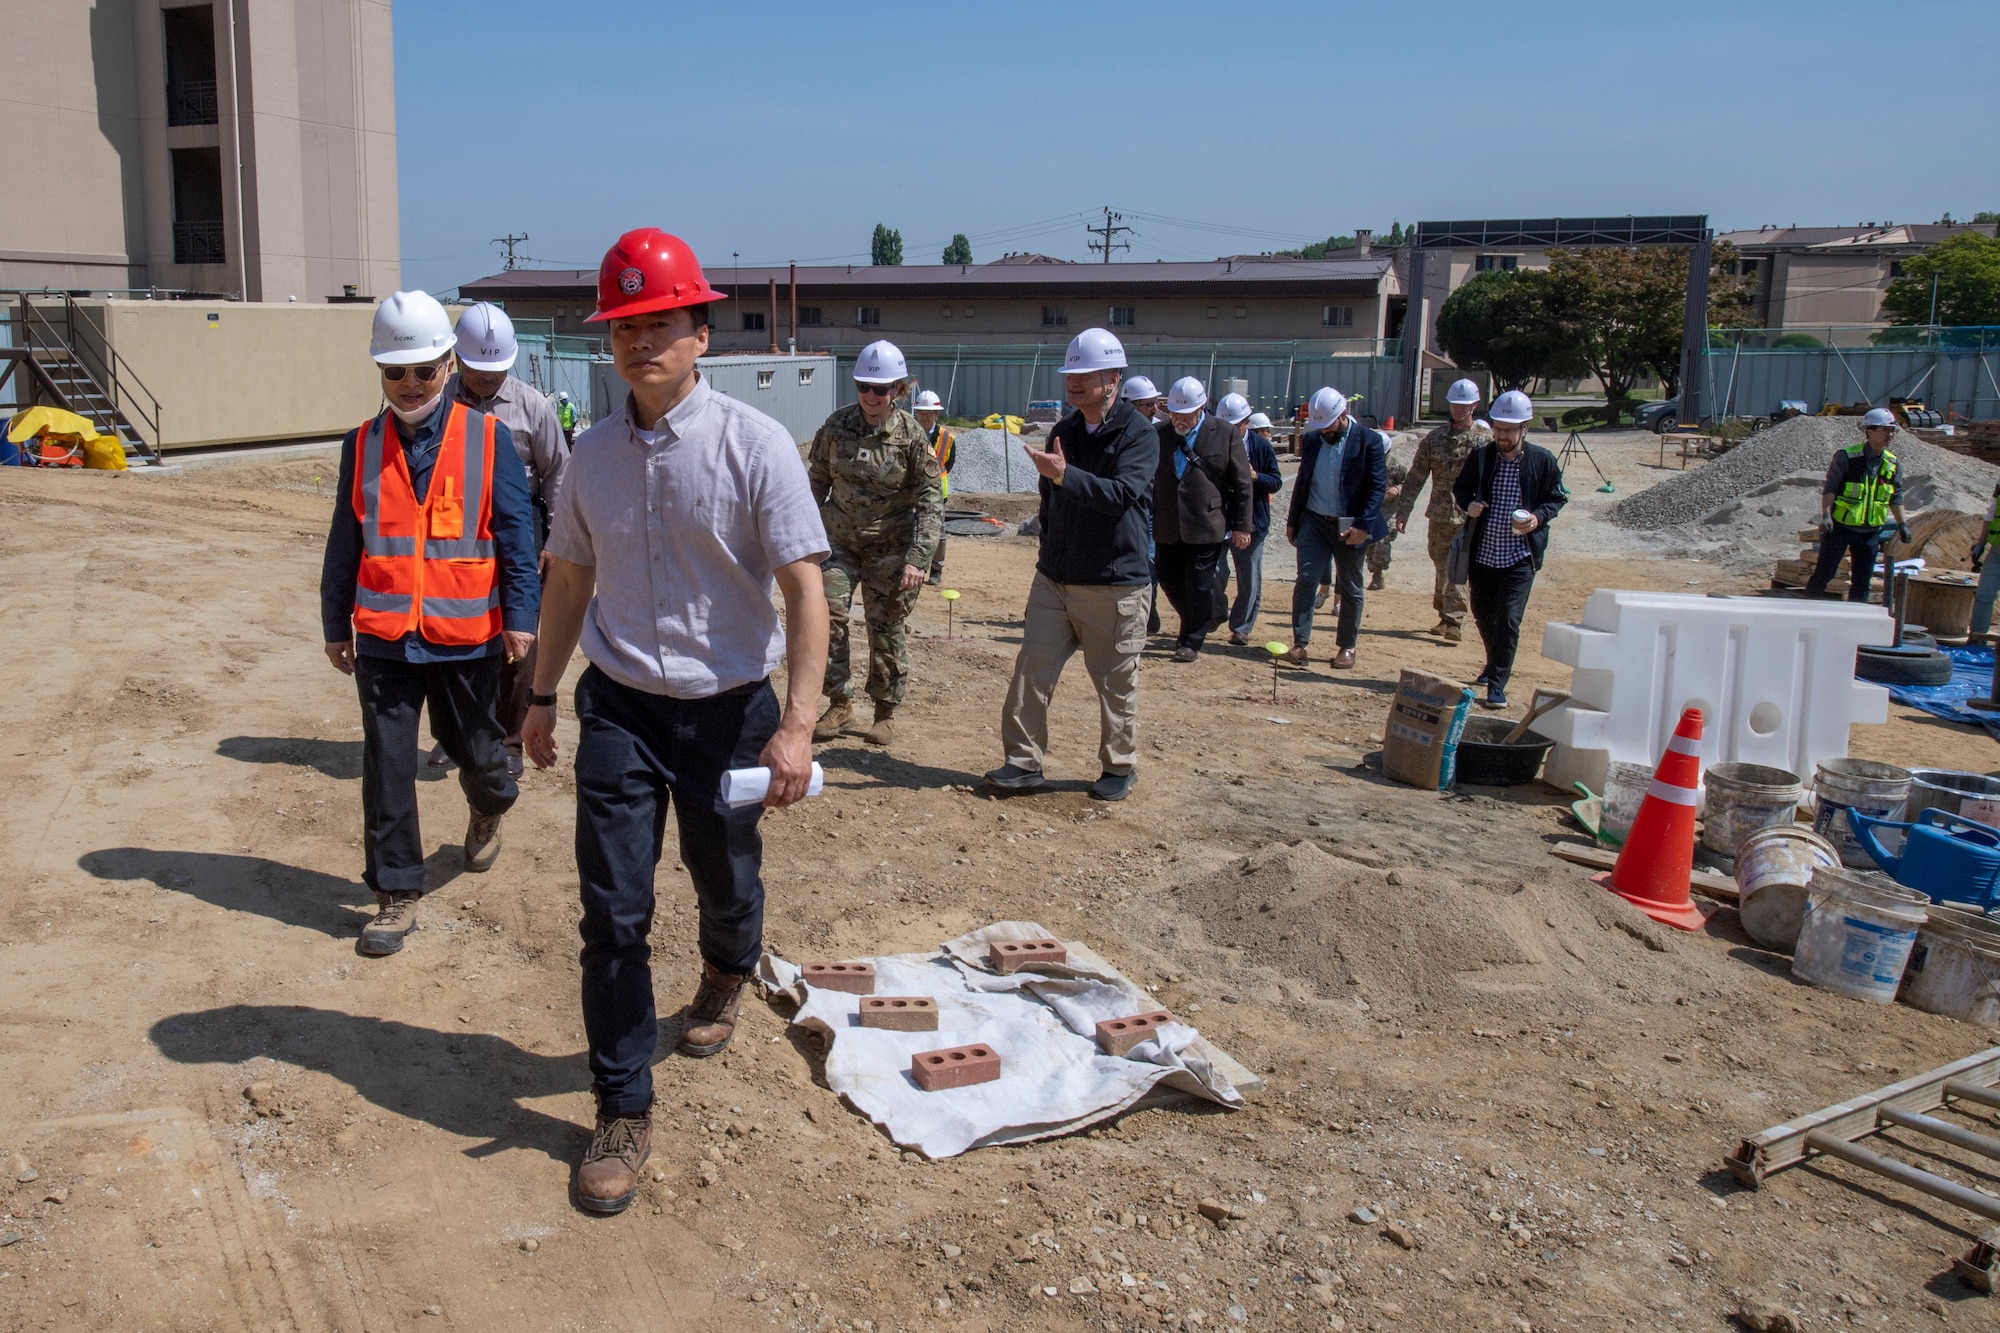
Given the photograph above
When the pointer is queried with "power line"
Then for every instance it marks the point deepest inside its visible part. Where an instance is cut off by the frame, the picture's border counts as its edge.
(1107, 231)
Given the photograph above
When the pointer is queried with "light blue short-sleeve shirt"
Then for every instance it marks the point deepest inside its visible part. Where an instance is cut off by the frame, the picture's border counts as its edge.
(684, 524)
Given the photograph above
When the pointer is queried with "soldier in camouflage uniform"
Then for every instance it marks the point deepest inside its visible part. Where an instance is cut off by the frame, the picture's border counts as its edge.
(1439, 457)
(878, 484)
(1380, 553)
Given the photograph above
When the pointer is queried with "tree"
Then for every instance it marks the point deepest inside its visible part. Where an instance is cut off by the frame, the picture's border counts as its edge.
(886, 247)
(1986, 215)
(1511, 323)
(959, 251)
(1966, 268)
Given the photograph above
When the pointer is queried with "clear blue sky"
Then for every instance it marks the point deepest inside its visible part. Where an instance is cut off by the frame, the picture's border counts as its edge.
(787, 131)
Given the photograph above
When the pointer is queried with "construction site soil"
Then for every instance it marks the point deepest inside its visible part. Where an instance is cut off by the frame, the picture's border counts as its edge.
(216, 1115)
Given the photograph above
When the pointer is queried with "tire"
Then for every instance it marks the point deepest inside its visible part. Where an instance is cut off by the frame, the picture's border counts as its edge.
(1904, 668)
(1665, 422)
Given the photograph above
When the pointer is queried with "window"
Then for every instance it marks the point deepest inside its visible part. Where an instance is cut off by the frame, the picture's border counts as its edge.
(1488, 263)
(1336, 316)
(805, 375)
(809, 316)
(1241, 312)
(1213, 312)
(868, 314)
(765, 377)
(1895, 268)
(198, 206)
(947, 312)
(1054, 316)
(965, 313)
(189, 37)
(1124, 316)
(753, 321)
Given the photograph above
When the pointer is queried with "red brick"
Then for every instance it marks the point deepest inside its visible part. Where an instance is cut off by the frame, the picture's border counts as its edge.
(1005, 956)
(1116, 1036)
(900, 1013)
(955, 1067)
(854, 978)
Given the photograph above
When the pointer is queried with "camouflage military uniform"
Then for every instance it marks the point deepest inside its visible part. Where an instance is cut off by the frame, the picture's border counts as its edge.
(1380, 553)
(1439, 457)
(883, 507)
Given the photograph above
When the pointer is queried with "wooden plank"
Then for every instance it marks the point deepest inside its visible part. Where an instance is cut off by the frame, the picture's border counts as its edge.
(1709, 883)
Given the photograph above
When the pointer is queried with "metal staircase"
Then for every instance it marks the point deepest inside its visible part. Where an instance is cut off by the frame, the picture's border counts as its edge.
(72, 365)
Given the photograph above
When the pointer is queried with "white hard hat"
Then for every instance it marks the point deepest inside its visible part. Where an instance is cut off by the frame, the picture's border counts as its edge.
(1878, 416)
(1258, 421)
(1093, 350)
(928, 401)
(486, 338)
(410, 329)
(1513, 406)
(1325, 407)
(1462, 392)
(880, 363)
(1139, 387)
(1188, 395)
(1233, 408)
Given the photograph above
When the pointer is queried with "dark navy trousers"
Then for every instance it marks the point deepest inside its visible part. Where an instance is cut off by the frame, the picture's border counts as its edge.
(638, 753)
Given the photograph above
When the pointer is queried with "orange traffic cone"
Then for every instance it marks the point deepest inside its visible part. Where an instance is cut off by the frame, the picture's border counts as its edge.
(1658, 857)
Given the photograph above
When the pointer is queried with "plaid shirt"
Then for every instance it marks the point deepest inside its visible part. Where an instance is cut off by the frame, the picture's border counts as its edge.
(1500, 547)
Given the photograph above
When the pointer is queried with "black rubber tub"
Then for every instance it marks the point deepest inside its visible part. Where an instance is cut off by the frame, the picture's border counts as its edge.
(1484, 762)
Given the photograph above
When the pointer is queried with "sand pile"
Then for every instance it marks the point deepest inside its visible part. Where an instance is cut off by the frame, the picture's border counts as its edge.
(1932, 477)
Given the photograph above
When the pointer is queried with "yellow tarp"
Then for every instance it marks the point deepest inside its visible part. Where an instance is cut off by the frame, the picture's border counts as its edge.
(49, 420)
(996, 422)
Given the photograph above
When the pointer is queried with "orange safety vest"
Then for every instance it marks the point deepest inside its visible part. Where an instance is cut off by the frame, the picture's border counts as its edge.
(450, 593)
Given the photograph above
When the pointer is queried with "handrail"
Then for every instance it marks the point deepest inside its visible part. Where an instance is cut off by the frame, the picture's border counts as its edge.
(65, 340)
(113, 368)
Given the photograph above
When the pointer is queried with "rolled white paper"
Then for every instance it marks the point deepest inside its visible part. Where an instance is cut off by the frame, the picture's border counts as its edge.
(748, 786)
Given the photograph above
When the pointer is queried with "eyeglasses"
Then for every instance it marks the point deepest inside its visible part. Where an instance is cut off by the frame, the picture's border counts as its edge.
(875, 390)
(424, 374)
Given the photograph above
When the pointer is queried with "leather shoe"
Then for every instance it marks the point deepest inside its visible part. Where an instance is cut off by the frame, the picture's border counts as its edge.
(1014, 778)
(1114, 786)
(709, 1021)
(608, 1177)
(1184, 654)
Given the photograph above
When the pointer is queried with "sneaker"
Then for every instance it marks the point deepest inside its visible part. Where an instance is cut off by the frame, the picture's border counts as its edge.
(395, 918)
(1114, 786)
(709, 1021)
(482, 843)
(1184, 654)
(1496, 697)
(608, 1177)
(1012, 777)
(1319, 598)
(1485, 674)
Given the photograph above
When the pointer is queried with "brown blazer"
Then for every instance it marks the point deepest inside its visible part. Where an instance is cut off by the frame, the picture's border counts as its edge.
(1213, 498)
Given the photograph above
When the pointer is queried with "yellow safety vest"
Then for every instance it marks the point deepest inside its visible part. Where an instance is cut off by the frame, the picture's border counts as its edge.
(945, 446)
(1864, 503)
(1993, 524)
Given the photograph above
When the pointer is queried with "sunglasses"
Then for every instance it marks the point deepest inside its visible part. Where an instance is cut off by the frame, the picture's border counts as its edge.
(424, 374)
(875, 390)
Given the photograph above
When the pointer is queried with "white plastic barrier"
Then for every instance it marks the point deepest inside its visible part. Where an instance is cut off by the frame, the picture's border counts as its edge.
(1773, 676)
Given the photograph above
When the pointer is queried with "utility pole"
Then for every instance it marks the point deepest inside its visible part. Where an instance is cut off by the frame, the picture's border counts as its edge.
(510, 242)
(1107, 231)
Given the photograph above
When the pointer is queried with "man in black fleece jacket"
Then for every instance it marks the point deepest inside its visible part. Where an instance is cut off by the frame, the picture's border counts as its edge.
(1092, 579)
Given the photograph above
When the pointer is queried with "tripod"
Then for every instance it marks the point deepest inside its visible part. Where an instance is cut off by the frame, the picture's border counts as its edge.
(1573, 446)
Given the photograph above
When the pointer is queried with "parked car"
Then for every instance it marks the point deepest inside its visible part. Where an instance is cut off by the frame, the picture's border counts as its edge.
(1658, 417)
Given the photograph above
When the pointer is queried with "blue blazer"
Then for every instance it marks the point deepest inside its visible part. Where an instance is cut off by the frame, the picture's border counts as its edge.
(1364, 477)
(1264, 462)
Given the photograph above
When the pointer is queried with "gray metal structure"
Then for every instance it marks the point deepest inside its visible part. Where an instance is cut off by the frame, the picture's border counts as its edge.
(1955, 371)
(797, 390)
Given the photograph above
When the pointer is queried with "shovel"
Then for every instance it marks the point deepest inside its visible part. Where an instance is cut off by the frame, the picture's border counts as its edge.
(1536, 707)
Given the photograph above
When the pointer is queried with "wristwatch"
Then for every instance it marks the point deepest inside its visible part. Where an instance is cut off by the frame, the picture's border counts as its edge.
(541, 700)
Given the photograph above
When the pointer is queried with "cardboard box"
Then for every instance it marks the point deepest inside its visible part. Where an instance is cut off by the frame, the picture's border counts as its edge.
(1426, 719)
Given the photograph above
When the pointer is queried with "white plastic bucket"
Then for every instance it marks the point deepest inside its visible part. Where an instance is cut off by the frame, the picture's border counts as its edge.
(1875, 789)
(1774, 869)
(1625, 787)
(1743, 798)
(1857, 934)
(1954, 967)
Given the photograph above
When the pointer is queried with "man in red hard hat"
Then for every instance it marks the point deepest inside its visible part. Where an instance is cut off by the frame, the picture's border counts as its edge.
(678, 515)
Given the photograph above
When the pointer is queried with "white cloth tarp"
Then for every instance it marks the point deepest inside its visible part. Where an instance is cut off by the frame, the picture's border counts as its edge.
(1043, 1023)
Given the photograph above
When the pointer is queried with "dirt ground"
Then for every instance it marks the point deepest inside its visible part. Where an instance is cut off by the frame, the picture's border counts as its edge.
(235, 1122)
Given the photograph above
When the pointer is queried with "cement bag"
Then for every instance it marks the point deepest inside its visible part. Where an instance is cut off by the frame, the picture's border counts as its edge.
(1420, 744)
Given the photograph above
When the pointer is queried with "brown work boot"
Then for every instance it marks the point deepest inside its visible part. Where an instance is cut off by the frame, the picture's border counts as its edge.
(709, 1022)
(1378, 583)
(839, 712)
(1451, 633)
(884, 729)
(395, 918)
(609, 1174)
(482, 842)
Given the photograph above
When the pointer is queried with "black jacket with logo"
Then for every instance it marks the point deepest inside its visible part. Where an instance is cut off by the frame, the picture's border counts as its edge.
(1097, 525)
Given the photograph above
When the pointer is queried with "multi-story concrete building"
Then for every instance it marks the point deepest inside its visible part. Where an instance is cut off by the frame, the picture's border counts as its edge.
(245, 148)
(1830, 277)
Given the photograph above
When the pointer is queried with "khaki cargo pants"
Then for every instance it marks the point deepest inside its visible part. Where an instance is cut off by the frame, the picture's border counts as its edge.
(1109, 625)
(1448, 599)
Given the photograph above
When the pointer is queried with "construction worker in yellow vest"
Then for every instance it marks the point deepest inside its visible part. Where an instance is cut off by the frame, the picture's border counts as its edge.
(1864, 487)
(1984, 560)
(930, 409)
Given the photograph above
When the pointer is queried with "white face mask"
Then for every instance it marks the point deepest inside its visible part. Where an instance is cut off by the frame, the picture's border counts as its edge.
(413, 415)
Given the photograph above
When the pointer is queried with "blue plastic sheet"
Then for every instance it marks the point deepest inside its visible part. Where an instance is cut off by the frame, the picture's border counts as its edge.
(1971, 678)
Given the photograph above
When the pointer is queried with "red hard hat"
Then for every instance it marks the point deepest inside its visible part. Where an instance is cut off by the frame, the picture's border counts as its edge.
(648, 270)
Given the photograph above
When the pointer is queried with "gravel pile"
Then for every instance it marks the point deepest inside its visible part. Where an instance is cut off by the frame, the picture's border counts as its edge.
(1932, 477)
(991, 461)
